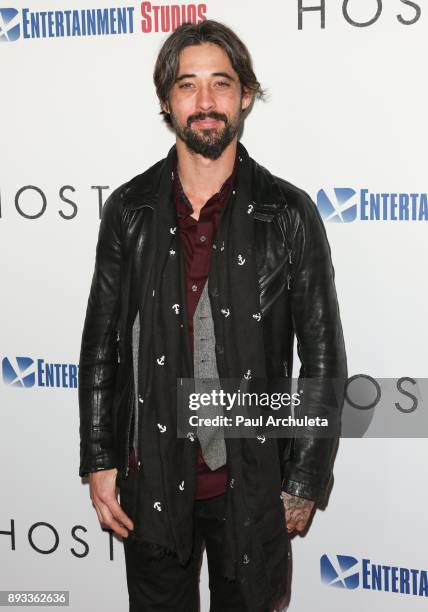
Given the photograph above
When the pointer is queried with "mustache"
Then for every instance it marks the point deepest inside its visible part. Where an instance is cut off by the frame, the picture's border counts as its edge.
(202, 116)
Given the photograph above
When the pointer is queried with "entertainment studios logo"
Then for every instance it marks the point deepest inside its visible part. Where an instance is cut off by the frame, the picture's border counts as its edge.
(26, 372)
(142, 19)
(346, 572)
(343, 205)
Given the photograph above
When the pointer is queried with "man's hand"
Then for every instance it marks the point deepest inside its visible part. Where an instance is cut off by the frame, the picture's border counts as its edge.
(103, 494)
(297, 511)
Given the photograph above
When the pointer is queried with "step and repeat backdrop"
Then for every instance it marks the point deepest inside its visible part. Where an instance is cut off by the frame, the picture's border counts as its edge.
(345, 119)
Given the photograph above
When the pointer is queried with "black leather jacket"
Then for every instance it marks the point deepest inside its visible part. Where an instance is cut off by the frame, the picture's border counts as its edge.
(297, 297)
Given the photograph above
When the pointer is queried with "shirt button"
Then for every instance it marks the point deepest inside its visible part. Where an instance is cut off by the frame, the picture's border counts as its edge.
(202, 238)
(194, 287)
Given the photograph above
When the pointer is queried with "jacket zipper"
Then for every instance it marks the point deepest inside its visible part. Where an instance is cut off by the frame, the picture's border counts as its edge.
(138, 399)
(128, 436)
(134, 411)
(130, 418)
(134, 406)
(137, 431)
(289, 252)
(129, 428)
(289, 274)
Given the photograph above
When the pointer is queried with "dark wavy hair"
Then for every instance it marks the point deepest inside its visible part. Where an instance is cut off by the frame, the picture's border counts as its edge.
(188, 34)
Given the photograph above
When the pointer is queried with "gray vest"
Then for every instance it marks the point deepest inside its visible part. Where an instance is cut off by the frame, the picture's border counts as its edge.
(205, 370)
(206, 379)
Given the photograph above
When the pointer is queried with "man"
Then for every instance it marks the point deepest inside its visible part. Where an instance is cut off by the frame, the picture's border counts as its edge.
(207, 266)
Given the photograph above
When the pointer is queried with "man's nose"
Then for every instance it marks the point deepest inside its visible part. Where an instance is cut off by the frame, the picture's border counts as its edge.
(205, 99)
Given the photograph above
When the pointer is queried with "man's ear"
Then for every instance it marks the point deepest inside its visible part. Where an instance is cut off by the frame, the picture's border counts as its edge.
(165, 107)
(247, 97)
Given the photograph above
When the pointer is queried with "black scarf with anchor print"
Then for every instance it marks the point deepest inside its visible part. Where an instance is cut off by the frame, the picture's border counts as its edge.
(255, 546)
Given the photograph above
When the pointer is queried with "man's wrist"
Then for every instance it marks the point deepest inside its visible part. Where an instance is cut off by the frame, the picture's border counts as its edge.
(303, 489)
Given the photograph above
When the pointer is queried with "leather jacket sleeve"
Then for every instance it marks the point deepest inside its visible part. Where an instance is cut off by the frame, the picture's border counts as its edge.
(98, 356)
(307, 470)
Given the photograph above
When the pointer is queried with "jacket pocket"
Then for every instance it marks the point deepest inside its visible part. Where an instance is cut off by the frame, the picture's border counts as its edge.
(263, 216)
(272, 287)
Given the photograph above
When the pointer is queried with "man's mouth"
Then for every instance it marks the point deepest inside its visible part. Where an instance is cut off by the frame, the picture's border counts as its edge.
(206, 123)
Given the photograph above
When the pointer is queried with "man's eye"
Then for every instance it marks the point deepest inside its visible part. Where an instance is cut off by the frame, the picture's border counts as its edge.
(185, 85)
(223, 83)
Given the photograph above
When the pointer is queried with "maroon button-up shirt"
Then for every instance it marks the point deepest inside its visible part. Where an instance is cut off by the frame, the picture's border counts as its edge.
(196, 239)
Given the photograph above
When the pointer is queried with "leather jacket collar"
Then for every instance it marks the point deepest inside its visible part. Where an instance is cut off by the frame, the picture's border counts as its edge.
(143, 190)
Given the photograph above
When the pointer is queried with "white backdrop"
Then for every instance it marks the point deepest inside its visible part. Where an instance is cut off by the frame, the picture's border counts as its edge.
(347, 109)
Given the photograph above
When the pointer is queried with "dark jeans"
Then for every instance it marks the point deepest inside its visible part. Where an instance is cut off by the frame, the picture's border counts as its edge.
(156, 581)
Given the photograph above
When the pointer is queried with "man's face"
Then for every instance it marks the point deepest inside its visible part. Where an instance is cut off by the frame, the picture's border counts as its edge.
(206, 99)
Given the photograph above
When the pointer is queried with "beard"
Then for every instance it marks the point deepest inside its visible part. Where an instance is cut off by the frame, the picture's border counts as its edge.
(210, 142)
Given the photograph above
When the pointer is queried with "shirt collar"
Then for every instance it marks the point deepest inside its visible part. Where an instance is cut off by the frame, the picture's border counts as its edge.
(184, 206)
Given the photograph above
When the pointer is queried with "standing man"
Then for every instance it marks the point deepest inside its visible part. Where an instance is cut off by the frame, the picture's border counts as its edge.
(207, 266)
